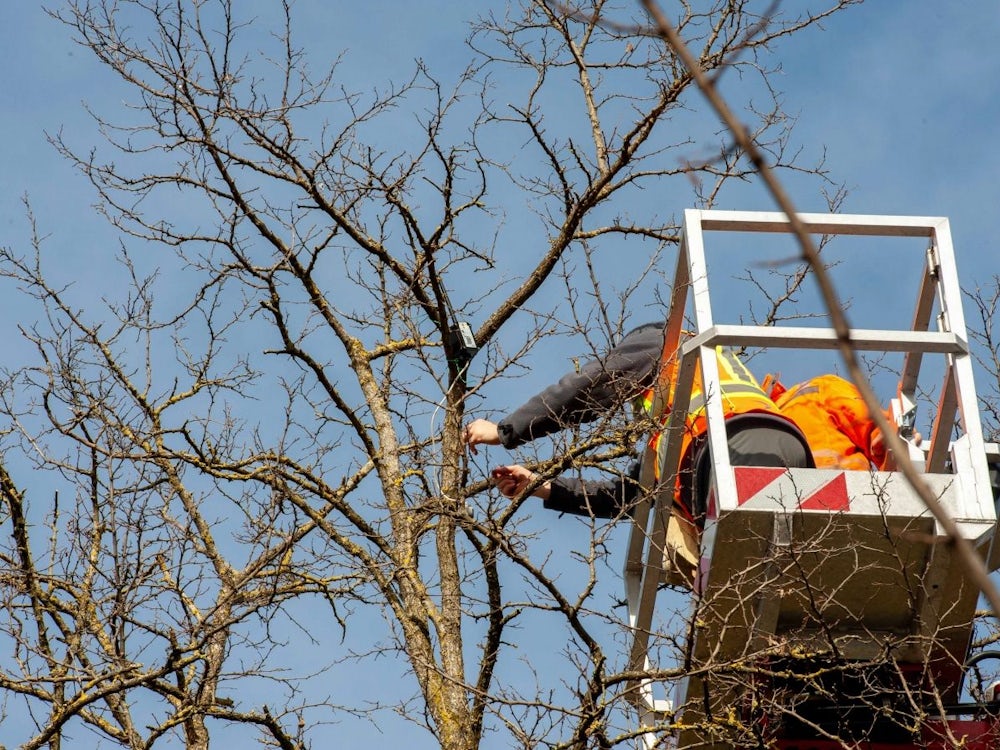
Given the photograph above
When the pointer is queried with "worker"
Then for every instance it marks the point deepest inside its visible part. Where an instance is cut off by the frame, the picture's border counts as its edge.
(834, 418)
(758, 435)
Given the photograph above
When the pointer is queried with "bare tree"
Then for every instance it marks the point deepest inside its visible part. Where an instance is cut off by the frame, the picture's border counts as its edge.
(985, 305)
(262, 431)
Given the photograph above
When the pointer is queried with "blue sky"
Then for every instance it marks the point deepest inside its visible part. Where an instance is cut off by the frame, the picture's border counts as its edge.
(903, 96)
(900, 95)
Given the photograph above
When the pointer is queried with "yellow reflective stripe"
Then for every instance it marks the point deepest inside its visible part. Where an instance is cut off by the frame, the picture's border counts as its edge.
(802, 389)
(735, 369)
(737, 385)
(643, 404)
(728, 389)
(734, 375)
(654, 445)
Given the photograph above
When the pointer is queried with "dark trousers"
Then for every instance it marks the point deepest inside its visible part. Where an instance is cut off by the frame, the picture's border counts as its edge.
(754, 440)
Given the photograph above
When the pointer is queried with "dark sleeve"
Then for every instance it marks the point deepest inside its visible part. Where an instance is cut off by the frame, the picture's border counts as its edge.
(605, 498)
(600, 385)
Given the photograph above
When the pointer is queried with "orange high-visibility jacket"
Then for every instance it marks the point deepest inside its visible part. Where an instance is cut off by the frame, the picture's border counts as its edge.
(831, 413)
(741, 394)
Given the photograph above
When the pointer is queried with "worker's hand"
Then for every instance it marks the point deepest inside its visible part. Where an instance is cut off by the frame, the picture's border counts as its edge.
(480, 431)
(512, 481)
(889, 462)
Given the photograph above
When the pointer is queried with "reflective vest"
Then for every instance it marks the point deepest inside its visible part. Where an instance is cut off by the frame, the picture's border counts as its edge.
(832, 415)
(740, 393)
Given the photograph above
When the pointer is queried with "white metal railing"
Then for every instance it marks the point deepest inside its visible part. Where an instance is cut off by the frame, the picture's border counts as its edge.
(643, 569)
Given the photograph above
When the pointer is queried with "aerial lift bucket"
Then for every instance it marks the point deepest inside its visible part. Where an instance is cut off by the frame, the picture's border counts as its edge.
(827, 568)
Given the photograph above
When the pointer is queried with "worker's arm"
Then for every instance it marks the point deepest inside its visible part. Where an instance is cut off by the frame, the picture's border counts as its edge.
(589, 393)
(581, 497)
(850, 415)
(605, 498)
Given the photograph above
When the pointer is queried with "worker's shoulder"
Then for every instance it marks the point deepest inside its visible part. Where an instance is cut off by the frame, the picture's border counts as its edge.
(646, 329)
(832, 383)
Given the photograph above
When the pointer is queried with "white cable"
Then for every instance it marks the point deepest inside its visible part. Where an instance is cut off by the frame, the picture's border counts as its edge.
(435, 481)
